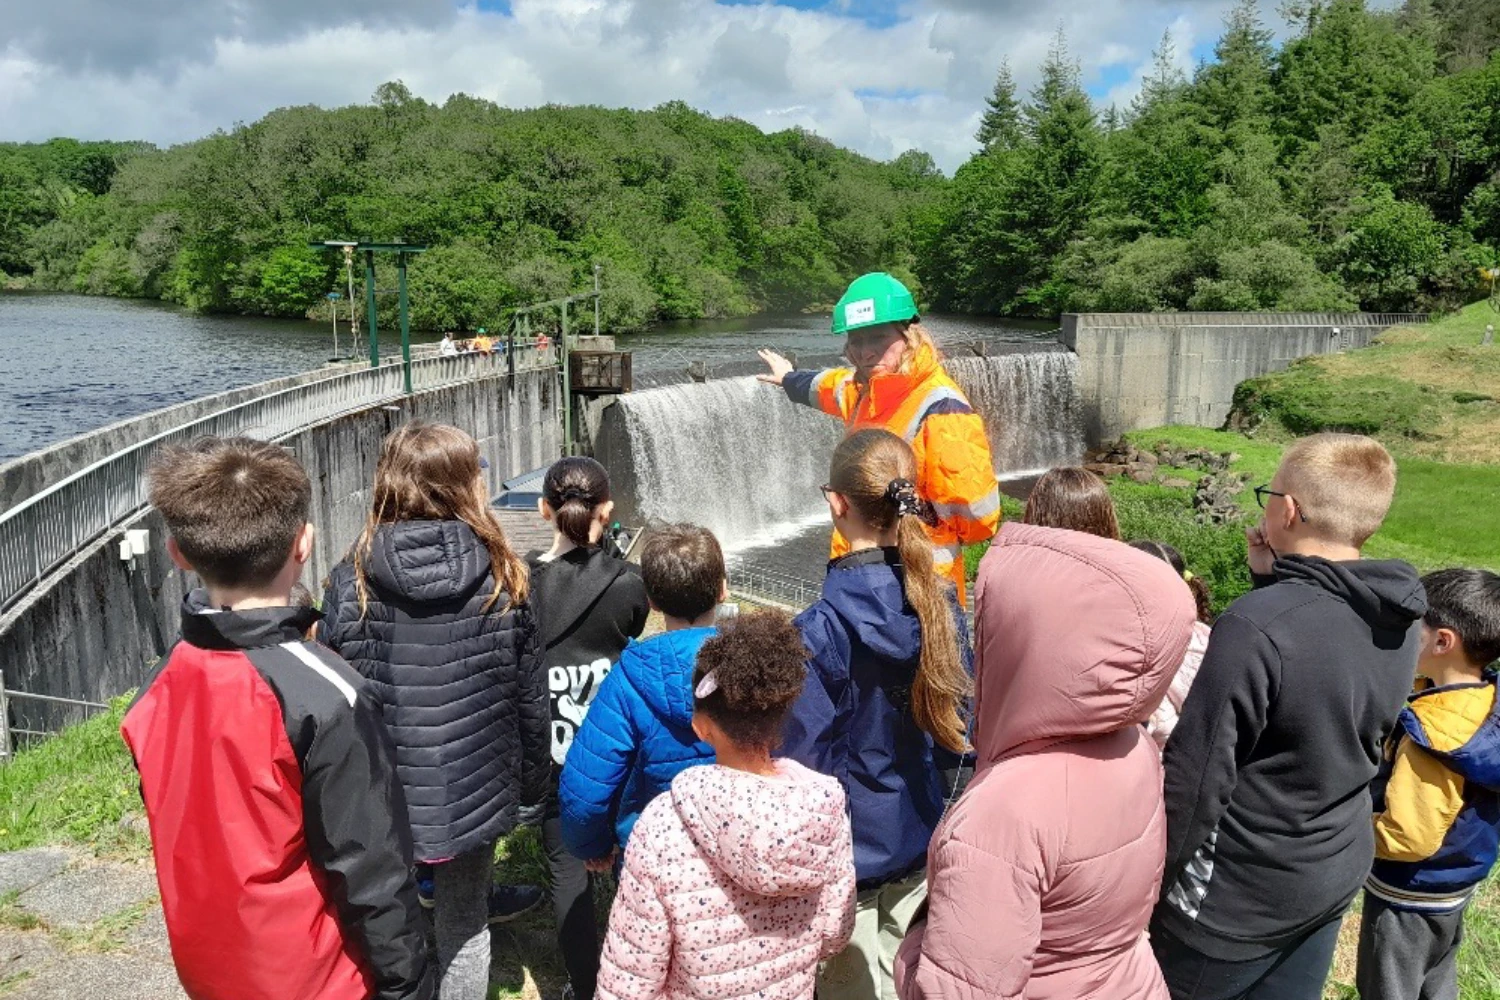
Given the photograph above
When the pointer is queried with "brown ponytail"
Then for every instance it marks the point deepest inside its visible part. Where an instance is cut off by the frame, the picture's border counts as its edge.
(1202, 596)
(865, 465)
(575, 488)
(430, 472)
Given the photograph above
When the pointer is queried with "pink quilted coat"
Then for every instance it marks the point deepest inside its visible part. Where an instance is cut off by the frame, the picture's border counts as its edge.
(1042, 877)
(1164, 719)
(734, 885)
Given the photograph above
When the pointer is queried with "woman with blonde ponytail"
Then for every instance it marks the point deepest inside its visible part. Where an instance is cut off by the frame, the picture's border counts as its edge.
(431, 606)
(887, 687)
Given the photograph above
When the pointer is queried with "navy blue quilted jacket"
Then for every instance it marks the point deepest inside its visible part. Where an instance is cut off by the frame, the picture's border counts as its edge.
(462, 689)
(854, 722)
(637, 736)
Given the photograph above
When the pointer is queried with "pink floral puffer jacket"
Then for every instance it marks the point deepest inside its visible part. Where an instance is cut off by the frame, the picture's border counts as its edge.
(735, 885)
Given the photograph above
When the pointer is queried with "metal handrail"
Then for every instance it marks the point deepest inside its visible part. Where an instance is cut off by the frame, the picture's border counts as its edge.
(765, 585)
(45, 530)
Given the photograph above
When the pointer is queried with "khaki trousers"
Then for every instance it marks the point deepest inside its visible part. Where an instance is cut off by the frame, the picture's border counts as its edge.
(866, 969)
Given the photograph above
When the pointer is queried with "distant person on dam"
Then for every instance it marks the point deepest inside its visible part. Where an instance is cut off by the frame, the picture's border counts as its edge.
(896, 382)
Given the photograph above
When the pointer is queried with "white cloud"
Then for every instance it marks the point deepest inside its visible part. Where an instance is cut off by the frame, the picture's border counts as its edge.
(178, 69)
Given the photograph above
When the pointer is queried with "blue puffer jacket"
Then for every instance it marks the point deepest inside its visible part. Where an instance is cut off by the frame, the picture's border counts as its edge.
(854, 719)
(637, 737)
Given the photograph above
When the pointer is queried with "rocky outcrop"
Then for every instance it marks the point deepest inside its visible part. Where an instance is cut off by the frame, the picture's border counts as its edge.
(1215, 494)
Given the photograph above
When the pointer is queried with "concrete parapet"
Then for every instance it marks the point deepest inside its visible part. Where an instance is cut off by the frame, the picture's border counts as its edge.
(93, 628)
(32, 473)
(1140, 370)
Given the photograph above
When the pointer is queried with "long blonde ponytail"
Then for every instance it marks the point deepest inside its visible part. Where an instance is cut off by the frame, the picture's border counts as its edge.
(865, 465)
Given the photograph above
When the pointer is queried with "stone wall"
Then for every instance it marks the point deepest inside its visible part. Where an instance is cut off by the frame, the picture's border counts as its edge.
(92, 629)
(1149, 369)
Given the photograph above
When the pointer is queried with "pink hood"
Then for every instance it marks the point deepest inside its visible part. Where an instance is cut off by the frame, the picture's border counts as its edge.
(1053, 674)
(1056, 849)
(734, 886)
(776, 837)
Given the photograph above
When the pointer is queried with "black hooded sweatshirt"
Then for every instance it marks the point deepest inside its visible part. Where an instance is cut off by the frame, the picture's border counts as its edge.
(1267, 773)
(590, 605)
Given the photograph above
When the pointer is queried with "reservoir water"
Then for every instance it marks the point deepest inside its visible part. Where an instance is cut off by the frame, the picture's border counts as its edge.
(72, 363)
(729, 453)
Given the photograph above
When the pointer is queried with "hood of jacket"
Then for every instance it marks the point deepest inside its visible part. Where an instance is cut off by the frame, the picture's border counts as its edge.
(776, 836)
(569, 586)
(428, 560)
(219, 628)
(1077, 636)
(1478, 758)
(661, 671)
(865, 591)
(1387, 593)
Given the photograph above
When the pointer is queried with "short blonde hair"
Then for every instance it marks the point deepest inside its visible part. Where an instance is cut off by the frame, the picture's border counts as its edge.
(1342, 482)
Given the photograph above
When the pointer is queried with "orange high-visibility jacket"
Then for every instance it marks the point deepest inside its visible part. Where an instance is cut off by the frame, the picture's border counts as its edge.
(928, 409)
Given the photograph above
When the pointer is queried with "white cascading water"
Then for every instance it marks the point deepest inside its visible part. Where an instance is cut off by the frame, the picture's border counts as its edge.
(735, 456)
(1030, 407)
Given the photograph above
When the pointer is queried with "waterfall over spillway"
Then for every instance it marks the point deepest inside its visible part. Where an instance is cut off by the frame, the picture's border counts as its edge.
(1030, 407)
(735, 456)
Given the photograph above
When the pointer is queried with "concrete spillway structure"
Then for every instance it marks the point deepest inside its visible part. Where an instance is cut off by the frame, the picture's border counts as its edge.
(1139, 370)
(89, 624)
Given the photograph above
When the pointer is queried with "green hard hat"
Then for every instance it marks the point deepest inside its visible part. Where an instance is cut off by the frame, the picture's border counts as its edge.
(481, 331)
(871, 300)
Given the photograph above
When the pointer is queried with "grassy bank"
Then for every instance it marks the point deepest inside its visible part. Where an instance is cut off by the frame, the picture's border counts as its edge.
(1431, 394)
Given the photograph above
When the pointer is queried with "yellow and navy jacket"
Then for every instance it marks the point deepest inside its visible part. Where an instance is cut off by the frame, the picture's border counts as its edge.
(1437, 798)
(925, 407)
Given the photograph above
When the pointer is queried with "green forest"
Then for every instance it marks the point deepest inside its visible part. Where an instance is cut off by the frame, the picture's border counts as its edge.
(1355, 165)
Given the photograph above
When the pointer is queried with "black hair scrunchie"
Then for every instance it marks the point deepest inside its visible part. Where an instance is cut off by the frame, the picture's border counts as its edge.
(902, 494)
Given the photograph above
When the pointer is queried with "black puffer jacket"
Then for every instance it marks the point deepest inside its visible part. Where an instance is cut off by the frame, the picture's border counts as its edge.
(464, 691)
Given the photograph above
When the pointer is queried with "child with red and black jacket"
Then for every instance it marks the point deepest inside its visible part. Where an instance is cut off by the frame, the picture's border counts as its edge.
(283, 850)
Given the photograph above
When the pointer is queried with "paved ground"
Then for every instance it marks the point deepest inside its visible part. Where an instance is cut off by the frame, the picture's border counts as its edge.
(72, 926)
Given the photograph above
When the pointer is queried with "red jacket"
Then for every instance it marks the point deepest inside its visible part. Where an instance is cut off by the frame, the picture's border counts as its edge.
(283, 851)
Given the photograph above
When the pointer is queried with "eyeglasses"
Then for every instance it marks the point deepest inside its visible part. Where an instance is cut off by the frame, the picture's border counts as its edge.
(827, 491)
(1261, 492)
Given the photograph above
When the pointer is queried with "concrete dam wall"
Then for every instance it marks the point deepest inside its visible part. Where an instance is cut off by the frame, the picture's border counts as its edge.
(94, 627)
(1140, 370)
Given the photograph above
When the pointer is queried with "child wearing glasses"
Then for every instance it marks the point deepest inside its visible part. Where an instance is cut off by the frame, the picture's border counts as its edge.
(1268, 818)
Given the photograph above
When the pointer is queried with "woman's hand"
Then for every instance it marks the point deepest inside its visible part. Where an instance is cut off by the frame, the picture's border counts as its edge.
(779, 366)
(602, 866)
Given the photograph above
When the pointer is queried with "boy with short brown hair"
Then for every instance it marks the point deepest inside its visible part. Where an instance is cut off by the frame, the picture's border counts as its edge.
(638, 733)
(1437, 800)
(282, 846)
(1268, 829)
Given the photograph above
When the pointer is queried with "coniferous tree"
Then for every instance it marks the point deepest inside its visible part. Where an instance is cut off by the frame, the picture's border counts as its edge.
(1000, 128)
(1236, 86)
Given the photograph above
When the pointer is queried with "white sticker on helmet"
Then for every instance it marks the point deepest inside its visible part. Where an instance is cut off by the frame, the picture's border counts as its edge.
(862, 311)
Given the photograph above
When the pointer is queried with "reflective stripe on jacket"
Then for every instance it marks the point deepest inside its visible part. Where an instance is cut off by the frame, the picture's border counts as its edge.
(930, 412)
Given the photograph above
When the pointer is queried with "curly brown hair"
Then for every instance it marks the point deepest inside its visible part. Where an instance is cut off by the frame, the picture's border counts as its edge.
(759, 665)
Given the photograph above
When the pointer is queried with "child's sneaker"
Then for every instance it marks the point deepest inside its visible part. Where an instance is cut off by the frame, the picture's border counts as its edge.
(507, 902)
(425, 890)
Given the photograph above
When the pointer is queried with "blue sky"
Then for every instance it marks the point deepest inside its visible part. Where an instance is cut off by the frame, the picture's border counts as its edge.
(879, 76)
